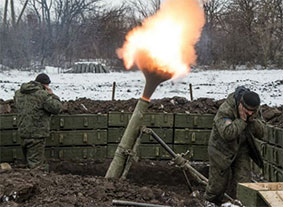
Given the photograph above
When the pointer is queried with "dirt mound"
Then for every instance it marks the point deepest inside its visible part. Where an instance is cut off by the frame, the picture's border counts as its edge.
(86, 187)
(272, 115)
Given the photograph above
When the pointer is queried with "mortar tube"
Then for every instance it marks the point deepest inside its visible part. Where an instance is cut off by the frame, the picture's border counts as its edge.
(128, 140)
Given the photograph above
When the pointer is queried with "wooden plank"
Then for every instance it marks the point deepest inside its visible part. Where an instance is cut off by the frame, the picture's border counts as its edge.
(272, 198)
(249, 196)
(264, 186)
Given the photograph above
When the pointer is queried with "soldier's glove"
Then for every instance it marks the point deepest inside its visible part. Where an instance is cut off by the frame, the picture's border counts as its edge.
(252, 117)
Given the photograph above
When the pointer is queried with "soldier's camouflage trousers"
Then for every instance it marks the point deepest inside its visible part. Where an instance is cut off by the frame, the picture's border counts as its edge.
(34, 153)
(226, 180)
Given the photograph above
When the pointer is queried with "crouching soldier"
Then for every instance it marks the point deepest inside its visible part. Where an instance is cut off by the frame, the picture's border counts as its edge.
(231, 143)
(35, 102)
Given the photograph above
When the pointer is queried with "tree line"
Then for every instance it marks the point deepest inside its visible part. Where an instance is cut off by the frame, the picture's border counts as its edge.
(60, 32)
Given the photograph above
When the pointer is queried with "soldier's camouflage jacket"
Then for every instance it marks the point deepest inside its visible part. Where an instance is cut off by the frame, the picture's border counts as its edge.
(230, 133)
(34, 108)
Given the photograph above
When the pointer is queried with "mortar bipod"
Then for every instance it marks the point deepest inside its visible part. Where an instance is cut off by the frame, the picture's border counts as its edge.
(182, 162)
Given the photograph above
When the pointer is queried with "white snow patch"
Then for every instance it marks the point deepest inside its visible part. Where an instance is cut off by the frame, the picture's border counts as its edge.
(216, 84)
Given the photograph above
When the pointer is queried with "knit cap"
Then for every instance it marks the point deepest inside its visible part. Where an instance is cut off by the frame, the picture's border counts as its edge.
(250, 100)
(43, 78)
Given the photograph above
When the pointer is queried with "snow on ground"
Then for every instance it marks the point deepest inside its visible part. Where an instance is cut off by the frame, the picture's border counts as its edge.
(209, 84)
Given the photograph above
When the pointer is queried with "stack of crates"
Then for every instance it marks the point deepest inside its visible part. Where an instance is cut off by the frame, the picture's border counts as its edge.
(191, 134)
(271, 148)
(82, 136)
(96, 136)
(161, 123)
(10, 143)
(72, 137)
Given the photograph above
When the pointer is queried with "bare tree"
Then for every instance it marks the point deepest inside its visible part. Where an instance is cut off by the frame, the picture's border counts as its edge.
(5, 12)
(143, 9)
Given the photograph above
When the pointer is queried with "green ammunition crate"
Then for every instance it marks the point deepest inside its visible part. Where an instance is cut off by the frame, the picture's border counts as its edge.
(118, 119)
(191, 136)
(81, 121)
(261, 146)
(76, 153)
(276, 174)
(250, 194)
(278, 133)
(77, 137)
(267, 171)
(8, 121)
(277, 156)
(9, 138)
(196, 152)
(111, 148)
(269, 134)
(148, 151)
(194, 121)
(255, 168)
(115, 135)
(153, 151)
(11, 154)
(269, 153)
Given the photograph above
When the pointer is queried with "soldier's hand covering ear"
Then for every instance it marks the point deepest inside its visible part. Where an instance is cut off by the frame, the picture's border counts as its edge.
(252, 117)
(242, 112)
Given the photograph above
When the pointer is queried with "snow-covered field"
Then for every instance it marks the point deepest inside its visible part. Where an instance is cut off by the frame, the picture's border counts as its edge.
(209, 84)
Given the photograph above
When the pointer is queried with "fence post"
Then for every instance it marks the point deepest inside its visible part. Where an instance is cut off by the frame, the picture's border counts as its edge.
(113, 90)
(191, 92)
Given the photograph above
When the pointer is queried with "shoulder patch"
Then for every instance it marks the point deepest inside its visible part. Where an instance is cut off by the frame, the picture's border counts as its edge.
(227, 121)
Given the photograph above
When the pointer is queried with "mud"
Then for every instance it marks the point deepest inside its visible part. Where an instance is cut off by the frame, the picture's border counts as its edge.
(272, 115)
(82, 184)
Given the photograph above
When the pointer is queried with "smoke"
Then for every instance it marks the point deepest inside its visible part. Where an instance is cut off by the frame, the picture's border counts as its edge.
(166, 41)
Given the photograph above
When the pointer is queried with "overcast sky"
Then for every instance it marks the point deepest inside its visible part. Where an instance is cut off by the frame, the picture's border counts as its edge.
(19, 5)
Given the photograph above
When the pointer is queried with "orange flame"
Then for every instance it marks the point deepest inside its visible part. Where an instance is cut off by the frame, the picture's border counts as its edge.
(165, 42)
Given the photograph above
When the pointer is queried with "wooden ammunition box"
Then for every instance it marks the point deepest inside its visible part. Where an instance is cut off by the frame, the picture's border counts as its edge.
(269, 134)
(261, 146)
(118, 119)
(267, 171)
(278, 133)
(115, 135)
(8, 121)
(255, 168)
(78, 137)
(194, 121)
(260, 194)
(269, 153)
(276, 174)
(11, 154)
(9, 138)
(277, 156)
(81, 121)
(192, 136)
(195, 152)
(76, 153)
(153, 151)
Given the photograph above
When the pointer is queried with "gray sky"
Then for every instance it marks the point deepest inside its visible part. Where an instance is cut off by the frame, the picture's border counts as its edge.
(108, 2)
(19, 5)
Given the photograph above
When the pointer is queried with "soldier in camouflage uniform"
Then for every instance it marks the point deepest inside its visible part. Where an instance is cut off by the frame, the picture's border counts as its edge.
(231, 143)
(35, 102)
